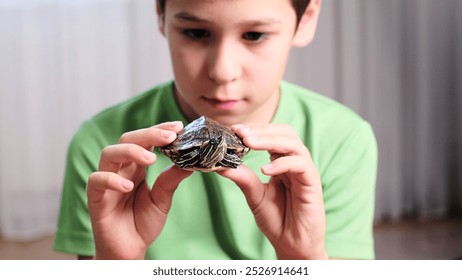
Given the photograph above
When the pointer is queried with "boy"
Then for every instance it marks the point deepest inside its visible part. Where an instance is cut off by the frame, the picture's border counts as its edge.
(312, 199)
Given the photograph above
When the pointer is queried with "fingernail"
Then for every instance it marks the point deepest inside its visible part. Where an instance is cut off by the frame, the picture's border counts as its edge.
(267, 168)
(167, 134)
(174, 123)
(126, 184)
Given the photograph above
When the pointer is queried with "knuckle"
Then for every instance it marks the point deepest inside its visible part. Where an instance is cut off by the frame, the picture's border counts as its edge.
(106, 151)
(92, 178)
(132, 151)
(154, 133)
(124, 137)
(108, 179)
(98, 179)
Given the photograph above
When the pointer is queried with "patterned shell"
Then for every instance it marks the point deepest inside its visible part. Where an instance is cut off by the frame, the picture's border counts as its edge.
(206, 145)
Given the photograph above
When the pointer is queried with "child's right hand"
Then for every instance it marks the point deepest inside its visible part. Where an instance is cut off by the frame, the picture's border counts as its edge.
(126, 215)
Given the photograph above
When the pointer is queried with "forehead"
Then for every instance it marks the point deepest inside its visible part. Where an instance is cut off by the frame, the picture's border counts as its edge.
(232, 9)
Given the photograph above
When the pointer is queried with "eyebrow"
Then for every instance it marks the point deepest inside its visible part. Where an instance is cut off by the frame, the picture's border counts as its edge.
(258, 22)
(189, 17)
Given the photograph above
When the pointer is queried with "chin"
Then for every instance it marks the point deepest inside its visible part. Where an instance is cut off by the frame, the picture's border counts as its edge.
(226, 119)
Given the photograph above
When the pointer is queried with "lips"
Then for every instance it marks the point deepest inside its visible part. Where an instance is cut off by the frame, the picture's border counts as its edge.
(221, 104)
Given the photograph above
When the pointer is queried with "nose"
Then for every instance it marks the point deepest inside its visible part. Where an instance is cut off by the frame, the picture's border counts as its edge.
(224, 63)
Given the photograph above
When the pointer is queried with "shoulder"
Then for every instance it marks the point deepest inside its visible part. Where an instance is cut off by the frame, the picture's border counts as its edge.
(319, 116)
(328, 128)
(106, 127)
(315, 106)
(140, 111)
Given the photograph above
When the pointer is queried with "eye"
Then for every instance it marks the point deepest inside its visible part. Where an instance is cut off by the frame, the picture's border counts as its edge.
(196, 34)
(253, 36)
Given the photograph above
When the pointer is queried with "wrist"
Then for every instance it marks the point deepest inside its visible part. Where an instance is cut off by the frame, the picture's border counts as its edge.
(104, 255)
(319, 254)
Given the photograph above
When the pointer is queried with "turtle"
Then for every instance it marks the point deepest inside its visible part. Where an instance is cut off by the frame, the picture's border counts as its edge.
(206, 145)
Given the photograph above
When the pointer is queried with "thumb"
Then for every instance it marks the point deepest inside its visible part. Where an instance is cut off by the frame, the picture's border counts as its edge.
(165, 186)
(249, 183)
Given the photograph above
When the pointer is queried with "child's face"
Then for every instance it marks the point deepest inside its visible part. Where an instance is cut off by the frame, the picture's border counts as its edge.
(229, 56)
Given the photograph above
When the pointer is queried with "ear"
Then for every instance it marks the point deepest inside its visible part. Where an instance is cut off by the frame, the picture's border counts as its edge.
(306, 28)
(160, 19)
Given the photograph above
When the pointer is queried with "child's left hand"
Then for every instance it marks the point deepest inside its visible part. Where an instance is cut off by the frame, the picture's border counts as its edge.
(289, 209)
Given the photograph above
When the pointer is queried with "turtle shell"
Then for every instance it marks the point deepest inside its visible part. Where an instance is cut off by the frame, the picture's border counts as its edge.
(206, 145)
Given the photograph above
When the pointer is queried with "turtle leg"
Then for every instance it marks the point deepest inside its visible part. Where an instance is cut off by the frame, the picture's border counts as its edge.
(230, 160)
(188, 160)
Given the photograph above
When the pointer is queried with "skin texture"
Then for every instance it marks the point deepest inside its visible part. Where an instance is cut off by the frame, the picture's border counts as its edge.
(228, 59)
(229, 56)
(119, 198)
(289, 209)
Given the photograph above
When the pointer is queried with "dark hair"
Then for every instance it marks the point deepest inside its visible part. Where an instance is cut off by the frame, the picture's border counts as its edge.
(299, 6)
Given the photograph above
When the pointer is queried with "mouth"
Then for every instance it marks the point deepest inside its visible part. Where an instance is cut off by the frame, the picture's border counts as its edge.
(221, 104)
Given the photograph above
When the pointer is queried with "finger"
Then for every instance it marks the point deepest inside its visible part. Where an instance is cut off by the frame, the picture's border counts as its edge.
(251, 186)
(114, 156)
(277, 139)
(173, 126)
(99, 182)
(159, 135)
(165, 185)
(264, 129)
(298, 165)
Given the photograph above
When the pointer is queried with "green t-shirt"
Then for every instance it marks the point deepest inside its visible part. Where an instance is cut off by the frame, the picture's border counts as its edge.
(210, 218)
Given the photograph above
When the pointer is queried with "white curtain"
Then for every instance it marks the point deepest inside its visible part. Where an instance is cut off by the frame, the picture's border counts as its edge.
(397, 63)
(61, 62)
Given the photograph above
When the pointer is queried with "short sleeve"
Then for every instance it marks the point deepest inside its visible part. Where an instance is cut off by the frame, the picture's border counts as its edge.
(349, 195)
(74, 234)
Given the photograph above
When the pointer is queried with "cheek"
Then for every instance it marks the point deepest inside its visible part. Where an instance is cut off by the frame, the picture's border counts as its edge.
(269, 66)
(184, 65)
(187, 62)
(272, 58)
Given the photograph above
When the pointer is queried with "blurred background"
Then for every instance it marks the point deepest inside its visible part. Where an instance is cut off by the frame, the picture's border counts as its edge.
(397, 63)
